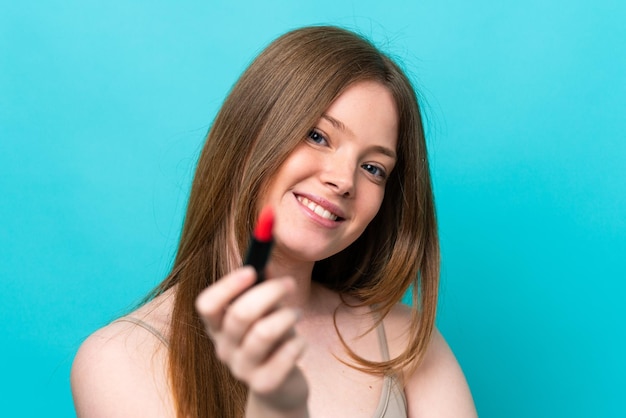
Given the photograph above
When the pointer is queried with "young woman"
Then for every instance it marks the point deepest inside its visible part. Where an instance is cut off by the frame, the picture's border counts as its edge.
(326, 130)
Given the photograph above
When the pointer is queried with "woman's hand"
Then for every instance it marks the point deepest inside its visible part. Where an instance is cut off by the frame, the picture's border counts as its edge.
(253, 333)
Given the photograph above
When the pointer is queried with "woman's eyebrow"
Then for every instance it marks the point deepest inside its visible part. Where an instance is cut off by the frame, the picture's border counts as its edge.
(385, 151)
(340, 125)
(337, 123)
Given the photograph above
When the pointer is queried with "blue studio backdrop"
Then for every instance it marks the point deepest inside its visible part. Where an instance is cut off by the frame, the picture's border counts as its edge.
(104, 107)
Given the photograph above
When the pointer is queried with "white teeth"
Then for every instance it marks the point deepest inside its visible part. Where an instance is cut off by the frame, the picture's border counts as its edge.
(320, 211)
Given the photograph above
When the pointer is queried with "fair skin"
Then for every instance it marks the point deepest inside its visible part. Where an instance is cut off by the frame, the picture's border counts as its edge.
(278, 337)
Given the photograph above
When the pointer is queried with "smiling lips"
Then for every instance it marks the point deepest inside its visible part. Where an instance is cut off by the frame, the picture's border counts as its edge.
(318, 209)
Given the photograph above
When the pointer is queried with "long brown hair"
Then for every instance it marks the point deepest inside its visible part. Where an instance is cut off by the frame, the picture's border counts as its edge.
(269, 111)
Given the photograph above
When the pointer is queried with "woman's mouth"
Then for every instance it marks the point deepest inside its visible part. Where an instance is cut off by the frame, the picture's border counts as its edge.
(318, 209)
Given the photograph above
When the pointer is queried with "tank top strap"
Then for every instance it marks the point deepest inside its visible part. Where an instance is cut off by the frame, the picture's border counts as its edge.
(392, 402)
(152, 330)
(382, 341)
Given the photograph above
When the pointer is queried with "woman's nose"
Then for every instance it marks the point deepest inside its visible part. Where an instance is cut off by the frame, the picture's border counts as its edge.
(339, 176)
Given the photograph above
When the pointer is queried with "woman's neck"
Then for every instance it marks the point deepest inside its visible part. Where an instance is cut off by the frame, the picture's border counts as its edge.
(311, 297)
(301, 272)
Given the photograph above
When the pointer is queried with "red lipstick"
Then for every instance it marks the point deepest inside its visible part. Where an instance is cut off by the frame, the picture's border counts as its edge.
(261, 243)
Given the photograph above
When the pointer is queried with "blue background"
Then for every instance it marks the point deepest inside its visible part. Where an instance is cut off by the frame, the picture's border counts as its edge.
(104, 106)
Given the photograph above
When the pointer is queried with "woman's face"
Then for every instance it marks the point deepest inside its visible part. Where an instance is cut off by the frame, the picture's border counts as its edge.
(331, 186)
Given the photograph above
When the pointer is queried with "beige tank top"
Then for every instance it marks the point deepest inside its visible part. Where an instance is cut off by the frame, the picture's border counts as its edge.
(392, 403)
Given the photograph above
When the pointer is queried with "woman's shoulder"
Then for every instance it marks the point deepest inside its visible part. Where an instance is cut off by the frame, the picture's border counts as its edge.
(121, 369)
(144, 329)
(438, 386)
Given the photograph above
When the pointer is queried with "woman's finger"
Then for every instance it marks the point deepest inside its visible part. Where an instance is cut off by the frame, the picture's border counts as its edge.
(263, 338)
(279, 368)
(253, 305)
(212, 302)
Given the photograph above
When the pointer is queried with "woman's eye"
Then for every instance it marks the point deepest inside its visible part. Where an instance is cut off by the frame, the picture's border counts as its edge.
(375, 171)
(316, 137)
